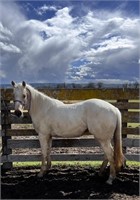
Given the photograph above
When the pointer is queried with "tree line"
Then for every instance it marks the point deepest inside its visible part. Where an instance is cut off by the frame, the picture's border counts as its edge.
(99, 85)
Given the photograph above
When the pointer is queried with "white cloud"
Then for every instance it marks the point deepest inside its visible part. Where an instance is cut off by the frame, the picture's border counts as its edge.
(9, 48)
(111, 49)
(11, 15)
(43, 9)
(62, 19)
(45, 58)
(46, 50)
(5, 34)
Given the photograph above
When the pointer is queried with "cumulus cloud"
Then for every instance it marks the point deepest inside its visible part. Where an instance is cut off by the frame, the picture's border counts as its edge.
(9, 48)
(66, 47)
(5, 34)
(43, 9)
(111, 46)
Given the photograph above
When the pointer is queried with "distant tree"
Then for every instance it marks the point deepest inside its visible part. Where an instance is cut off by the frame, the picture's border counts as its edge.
(136, 85)
(91, 85)
(130, 85)
(73, 85)
(100, 85)
(49, 86)
(125, 85)
(79, 85)
(64, 85)
(59, 86)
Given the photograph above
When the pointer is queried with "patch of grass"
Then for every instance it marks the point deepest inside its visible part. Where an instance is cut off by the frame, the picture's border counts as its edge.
(133, 163)
(61, 163)
(78, 163)
(26, 164)
(71, 163)
(135, 101)
(133, 125)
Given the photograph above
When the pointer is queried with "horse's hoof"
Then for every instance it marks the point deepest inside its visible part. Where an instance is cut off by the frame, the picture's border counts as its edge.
(109, 182)
(40, 175)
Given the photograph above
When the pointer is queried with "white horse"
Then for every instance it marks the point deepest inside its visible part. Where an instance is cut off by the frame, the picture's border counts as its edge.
(52, 117)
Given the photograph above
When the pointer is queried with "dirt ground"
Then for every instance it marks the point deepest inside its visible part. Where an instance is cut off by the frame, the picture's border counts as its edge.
(68, 182)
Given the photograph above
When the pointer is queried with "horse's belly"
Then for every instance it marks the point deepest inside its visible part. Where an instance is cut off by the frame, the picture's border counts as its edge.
(73, 131)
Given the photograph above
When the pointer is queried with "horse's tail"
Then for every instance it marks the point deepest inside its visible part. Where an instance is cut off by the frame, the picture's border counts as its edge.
(118, 154)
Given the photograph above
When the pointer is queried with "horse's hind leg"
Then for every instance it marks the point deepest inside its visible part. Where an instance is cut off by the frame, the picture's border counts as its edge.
(45, 143)
(108, 150)
(103, 166)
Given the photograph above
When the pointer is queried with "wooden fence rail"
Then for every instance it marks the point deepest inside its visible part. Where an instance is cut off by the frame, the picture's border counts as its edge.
(19, 134)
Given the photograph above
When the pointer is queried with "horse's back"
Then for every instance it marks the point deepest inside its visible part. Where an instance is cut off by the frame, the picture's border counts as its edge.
(99, 103)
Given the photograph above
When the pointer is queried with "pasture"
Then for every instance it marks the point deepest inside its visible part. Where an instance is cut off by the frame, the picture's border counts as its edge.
(20, 144)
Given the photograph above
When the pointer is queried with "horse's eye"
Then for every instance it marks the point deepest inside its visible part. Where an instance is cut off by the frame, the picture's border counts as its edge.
(24, 96)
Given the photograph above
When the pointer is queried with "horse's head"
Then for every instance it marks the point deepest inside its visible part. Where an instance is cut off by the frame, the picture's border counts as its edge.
(20, 97)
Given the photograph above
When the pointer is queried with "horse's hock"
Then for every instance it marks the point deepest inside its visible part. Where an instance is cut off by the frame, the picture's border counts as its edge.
(18, 133)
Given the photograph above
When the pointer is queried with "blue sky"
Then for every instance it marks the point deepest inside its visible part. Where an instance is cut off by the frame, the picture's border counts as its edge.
(69, 41)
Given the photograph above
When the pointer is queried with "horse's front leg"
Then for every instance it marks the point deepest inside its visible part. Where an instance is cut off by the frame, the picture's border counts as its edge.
(45, 143)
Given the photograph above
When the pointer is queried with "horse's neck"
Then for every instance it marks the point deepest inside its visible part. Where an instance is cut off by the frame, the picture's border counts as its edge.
(37, 101)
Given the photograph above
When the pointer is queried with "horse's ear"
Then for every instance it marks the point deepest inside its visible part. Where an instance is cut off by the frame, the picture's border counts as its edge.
(23, 84)
(13, 83)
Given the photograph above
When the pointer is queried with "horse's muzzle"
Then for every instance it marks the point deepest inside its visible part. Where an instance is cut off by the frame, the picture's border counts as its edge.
(18, 113)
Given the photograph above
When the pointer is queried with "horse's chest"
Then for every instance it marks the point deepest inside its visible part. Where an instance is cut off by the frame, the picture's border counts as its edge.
(40, 125)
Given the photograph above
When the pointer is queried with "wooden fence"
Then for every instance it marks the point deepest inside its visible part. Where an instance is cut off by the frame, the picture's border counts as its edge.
(14, 130)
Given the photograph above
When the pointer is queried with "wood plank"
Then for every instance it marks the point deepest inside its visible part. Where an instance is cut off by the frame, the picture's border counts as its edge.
(82, 94)
(57, 157)
(130, 117)
(126, 105)
(128, 142)
(64, 157)
(15, 120)
(34, 143)
(21, 132)
(130, 131)
(133, 157)
(26, 143)
(3, 158)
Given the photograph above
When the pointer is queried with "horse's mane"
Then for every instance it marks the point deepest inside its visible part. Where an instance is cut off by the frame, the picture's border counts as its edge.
(35, 91)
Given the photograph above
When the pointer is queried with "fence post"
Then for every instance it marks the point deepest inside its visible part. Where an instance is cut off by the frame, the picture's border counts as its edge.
(5, 125)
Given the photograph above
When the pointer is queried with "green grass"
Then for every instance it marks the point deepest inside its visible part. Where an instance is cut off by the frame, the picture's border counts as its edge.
(54, 163)
(133, 163)
(26, 164)
(72, 163)
(133, 125)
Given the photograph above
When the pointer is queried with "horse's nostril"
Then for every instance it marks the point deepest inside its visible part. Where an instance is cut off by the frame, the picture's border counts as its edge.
(18, 113)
